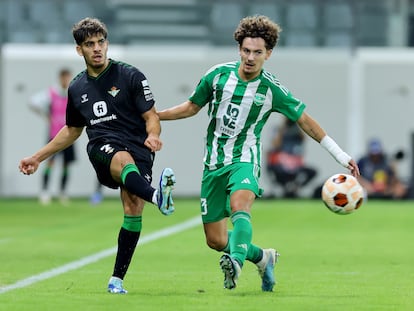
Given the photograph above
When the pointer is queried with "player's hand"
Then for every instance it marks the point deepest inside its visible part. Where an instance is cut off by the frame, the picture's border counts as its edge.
(353, 167)
(28, 165)
(153, 143)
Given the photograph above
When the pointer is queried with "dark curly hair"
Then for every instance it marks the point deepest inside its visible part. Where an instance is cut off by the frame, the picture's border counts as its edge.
(258, 26)
(88, 27)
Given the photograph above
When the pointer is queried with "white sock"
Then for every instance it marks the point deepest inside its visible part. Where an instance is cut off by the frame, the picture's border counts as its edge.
(155, 197)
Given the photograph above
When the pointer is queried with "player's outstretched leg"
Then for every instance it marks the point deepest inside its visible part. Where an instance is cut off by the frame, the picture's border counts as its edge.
(266, 268)
(166, 185)
(115, 286)
(231, 270)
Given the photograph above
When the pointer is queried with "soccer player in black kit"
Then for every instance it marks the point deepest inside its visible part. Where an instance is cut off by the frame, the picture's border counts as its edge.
(114, 102)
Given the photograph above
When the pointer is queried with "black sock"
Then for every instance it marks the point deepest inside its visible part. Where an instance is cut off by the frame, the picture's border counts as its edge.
(45, 180)
(127, 241)
(64, 180)
(135, 183)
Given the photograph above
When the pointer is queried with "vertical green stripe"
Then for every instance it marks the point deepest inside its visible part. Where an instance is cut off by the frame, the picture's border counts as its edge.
(222, 80)
(252, 120)
(239, 92)
(262, 89)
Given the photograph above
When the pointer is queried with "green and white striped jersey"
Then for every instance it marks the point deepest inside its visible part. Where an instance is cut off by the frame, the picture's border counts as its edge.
(238, 110)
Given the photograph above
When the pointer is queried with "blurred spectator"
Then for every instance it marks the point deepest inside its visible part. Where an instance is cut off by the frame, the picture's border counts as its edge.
(285, 161)
(51, 105)
(379, 174)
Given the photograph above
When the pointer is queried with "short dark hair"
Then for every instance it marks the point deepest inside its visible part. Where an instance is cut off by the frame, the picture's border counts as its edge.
(64, 71)
(88, 27)
(258, 26)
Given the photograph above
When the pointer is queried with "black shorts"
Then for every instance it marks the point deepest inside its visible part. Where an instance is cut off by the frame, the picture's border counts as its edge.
(101, 153)
(68, 154)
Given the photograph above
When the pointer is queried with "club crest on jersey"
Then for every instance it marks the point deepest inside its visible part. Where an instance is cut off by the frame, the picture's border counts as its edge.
(113, 91)
(259, 99)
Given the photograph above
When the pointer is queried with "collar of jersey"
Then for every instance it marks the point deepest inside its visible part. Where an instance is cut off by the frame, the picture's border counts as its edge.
(248, 81)
(103, 72)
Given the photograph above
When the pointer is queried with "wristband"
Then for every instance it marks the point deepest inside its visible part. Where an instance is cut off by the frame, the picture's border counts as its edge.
(332, 147)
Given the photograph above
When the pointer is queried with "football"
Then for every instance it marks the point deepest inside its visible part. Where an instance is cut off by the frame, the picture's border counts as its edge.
(342, 194)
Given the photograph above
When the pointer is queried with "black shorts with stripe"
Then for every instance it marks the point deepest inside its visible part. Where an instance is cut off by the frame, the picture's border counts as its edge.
(101, 153)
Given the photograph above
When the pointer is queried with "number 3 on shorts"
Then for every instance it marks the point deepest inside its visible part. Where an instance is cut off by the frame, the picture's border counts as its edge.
(203, 202)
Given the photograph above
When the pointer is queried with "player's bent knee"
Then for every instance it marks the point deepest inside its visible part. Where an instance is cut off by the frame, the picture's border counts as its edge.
(216, 244)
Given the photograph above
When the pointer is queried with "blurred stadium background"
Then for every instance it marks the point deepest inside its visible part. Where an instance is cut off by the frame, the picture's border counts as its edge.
(350, 61)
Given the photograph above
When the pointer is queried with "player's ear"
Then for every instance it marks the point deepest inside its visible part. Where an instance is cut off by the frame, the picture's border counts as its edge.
(268, 53)
(79, 50)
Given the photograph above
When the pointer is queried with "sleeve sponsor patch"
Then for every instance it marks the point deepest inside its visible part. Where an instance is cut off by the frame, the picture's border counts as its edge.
(147, 91)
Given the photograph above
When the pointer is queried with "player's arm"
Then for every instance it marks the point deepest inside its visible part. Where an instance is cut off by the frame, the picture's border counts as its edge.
(65, 137)
(153, 127)
(184, 110)
(314, 130)
(311, 127)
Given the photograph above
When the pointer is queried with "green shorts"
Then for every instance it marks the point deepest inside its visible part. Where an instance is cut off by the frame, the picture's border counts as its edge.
(218, 185)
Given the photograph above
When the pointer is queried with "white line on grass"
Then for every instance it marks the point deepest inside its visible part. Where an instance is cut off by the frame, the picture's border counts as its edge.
(98, 256)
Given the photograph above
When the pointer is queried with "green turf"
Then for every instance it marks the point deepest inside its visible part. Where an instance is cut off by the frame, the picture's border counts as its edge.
(362, 261)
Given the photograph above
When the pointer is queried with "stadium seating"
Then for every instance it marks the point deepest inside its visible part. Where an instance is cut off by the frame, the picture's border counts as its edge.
(305, 22)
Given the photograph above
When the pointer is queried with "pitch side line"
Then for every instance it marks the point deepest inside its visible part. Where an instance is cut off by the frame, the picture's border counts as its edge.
(98, 256)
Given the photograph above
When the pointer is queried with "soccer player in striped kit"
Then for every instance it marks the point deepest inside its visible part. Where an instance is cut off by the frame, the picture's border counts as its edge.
(240, 96)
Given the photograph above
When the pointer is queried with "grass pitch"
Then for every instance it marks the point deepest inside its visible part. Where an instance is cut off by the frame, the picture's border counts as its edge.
(362, 261)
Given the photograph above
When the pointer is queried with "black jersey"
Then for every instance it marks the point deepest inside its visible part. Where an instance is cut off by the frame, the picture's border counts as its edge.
(111, 105)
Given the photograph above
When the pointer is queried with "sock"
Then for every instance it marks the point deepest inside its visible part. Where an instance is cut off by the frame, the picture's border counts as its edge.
(46, 175)
(135, 183)
(155, 197)
(127, 241)
(254, 253)
(226, 249)
(64, 180)
(241, 236)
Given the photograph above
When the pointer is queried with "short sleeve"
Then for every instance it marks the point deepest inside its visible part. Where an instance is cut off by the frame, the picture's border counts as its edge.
(144, 98)
(73, 116)
(285, 103)
(203, 93)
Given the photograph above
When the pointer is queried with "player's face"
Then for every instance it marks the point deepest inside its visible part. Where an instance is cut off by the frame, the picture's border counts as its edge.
(253, 54)
(94, 50)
